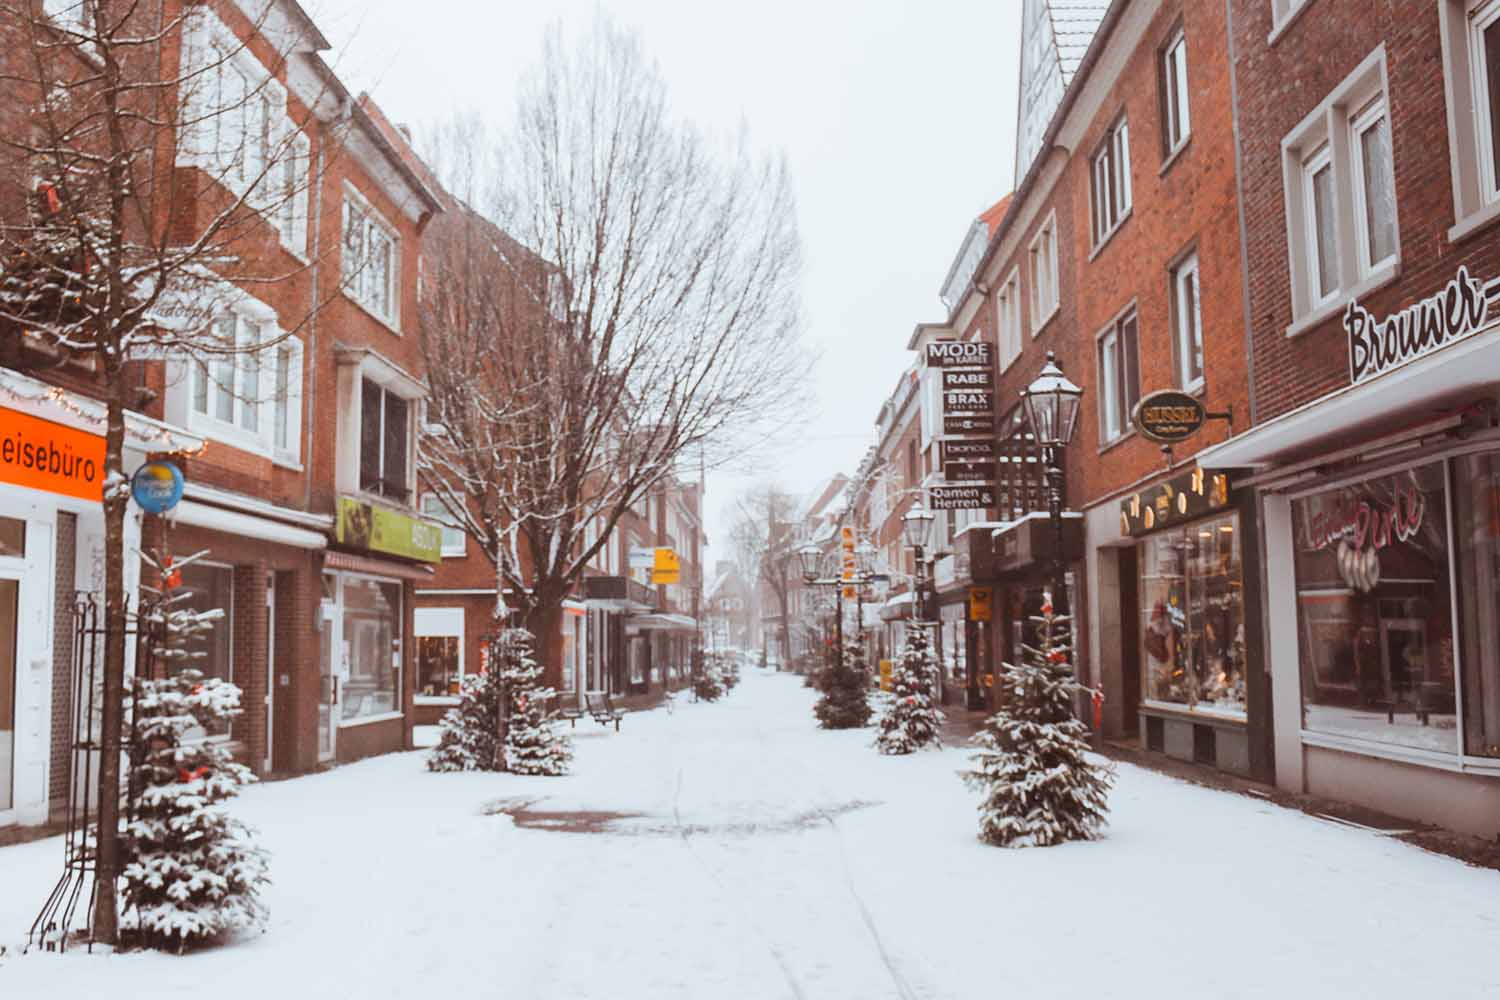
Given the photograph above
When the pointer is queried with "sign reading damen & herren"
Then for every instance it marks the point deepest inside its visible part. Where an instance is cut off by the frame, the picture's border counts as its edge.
(1168, 416)
(983, 424)
(960, 497)
(959, 354)
(1463, 307)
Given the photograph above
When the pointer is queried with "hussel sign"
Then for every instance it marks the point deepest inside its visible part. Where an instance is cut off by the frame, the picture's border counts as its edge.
(1463, 307)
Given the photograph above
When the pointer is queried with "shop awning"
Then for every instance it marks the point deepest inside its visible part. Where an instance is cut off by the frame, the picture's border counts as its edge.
(662, 622)
(898, 607)
(1439, 383)
(202, 515)
(376, 567)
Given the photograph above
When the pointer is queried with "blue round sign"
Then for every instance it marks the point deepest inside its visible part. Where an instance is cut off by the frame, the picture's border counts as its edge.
(157, 486)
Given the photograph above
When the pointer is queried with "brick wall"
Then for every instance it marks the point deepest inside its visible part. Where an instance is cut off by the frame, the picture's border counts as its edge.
(1278, 85)
(65, 555)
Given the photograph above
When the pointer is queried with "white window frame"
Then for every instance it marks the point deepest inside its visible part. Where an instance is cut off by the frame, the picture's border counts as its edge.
(254, 393)
(1187, 324)
(1317, 163)
(1008, 319)
(1114, 413)
(411, 444)
(1328, 130)
(436, 623)
(1365, 120)
(434, 509)
(1283, 13)
(1466, 86)
(355, 277)
(1046, 298)
(1110, 179)
(1177, 125)
(295, 193)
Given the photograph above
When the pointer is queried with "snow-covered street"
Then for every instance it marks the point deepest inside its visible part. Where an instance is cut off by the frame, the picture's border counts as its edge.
(733, 850)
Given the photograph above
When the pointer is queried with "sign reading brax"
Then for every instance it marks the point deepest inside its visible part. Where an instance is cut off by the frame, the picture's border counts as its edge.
(1463, 307)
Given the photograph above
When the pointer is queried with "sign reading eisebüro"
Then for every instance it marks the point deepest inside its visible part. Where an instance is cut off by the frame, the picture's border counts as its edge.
(1463, 307)
(959, 354)
(1168, 416)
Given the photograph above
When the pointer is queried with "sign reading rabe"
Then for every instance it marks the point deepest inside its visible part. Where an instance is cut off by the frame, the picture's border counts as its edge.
(960, 497)
(157, 487)
(379, 529)
(1168, 416)
(960, 378)
(960, 354)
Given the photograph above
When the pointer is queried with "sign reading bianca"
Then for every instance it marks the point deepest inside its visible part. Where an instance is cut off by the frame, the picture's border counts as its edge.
(1463, 307)
(959, 354)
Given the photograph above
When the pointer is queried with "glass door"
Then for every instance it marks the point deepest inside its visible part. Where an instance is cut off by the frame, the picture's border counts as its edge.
(270, 668)
(330, 659)
(10, 608)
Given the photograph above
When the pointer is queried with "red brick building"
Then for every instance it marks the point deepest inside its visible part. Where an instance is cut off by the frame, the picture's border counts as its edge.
(1368, 160)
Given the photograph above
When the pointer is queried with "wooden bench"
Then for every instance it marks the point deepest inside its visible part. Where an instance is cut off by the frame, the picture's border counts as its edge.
(568, 710)
(602, 710)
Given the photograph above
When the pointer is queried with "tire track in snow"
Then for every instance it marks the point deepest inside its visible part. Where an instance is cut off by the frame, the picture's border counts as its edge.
(786, 970)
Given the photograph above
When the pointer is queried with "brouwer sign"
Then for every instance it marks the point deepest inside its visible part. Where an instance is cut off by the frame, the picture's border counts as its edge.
(1463, 307)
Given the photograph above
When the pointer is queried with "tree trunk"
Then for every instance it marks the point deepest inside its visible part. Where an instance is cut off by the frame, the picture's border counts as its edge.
(544, 622)
(497, 627)
(116, 499)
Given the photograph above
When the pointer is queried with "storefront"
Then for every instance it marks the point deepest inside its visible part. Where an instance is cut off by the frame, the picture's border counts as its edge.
(1179, 648)
(52, 549)
(1380, 504)
(614, 661)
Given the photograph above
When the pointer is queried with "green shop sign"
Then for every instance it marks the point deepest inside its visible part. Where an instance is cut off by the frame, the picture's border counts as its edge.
(378, 529)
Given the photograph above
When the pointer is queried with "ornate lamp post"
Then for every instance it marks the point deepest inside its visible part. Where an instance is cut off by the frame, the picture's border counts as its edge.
(917, 525)
(809, 555)
(1052, 404)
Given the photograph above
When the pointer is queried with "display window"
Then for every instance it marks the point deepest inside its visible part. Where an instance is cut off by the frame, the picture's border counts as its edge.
(372, 632)
(1374, 610)
(209, 587)
(1193, 618)
(1477, 484)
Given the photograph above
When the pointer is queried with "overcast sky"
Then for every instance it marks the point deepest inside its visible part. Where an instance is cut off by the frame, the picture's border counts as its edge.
(897, 119)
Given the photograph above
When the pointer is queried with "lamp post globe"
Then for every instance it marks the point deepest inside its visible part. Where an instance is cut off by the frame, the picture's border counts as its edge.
(1052, 404)
(808, 555)
(917, 524)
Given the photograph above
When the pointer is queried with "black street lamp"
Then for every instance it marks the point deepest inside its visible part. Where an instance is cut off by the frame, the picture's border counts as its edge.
(1052, 404)
(916, 523)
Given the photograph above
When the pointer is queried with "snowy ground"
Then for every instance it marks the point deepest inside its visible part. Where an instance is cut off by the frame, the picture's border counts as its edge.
(762, 858)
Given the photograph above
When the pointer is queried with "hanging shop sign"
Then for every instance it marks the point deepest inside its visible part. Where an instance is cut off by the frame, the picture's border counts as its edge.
(959, 354)
(157, 487)
(969, 472)
(978, 424)
(975, 450)
(42, 455)
(1168, 416)
(979, 604)
(977, 497)
(665, 568)
(1462, 308)
(1181, 498)
(964, 378)
(379, 529)
(979, 401)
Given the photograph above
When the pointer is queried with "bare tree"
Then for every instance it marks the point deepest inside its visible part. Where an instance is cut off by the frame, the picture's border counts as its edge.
(142, 183)
(635, 307)
(765, 543)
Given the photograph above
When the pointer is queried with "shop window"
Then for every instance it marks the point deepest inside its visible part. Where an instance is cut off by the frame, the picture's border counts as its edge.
(1044, 285)
(10, 610)
(1374, 614)
(1478, 534)
(383, 442)
(1176, 122)
(1187, 324)
(1343, 238)
(12, 537)
(372, 631)
(1119, 377)
(210, 588)
(1193, 618)
(438, 673)
(1111, 182)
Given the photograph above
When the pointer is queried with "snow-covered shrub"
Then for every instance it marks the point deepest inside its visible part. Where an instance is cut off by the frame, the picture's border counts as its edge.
(845, 684)
(909, 719)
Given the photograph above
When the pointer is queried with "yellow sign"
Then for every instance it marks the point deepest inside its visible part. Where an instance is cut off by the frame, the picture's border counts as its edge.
(666, 568)
(851, 593)
(887, 668)
(979, 604)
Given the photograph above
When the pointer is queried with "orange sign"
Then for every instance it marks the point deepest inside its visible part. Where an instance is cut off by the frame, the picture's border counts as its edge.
(979, 604)
(45, 456)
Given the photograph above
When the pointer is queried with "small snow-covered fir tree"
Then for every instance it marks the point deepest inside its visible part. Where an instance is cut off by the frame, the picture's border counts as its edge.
(468, 732)
(911, 720)
(1031, 764)
(191, 872)
(845, 685)
(708, 683)
(533, 742)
